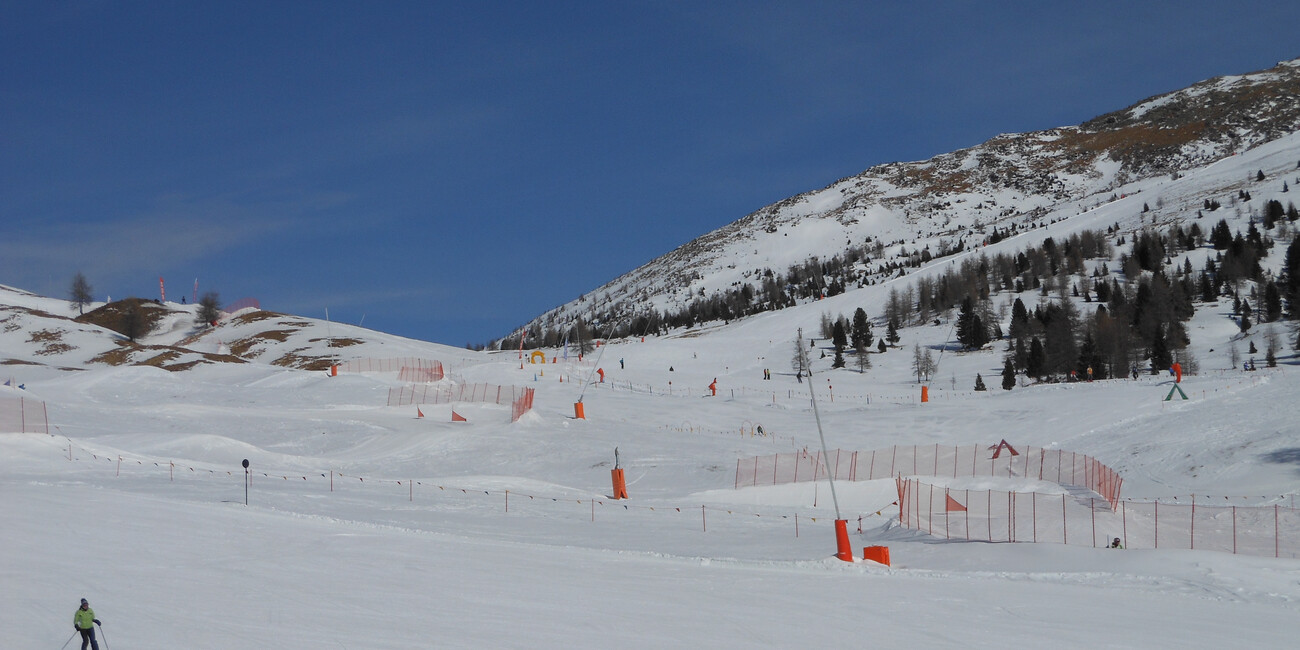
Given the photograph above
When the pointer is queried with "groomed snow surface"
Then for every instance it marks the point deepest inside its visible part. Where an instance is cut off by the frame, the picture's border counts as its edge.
(169, 556)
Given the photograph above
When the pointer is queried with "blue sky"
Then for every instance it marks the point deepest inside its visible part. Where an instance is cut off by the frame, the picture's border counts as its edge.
(449, 170)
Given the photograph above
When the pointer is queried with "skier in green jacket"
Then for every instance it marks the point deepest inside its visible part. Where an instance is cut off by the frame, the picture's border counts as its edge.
(84, 621)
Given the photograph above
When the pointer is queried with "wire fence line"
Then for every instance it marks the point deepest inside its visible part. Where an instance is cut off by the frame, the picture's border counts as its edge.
(22, 415)
(1079, 519)
(384, 489)
(1000, 460)
(412, 366)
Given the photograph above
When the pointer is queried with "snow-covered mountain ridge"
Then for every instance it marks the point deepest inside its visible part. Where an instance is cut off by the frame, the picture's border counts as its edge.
(44, 331)
(1011, 183)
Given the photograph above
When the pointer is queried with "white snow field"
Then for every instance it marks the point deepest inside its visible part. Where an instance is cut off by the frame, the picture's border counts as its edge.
(164, 548)
(367, 527)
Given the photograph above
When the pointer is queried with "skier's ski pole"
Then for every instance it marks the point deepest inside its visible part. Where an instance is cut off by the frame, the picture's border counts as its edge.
(101, 633)
(65, 643)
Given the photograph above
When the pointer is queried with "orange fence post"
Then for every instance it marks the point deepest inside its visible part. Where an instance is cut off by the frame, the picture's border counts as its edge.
(925, 393)
(578, 412)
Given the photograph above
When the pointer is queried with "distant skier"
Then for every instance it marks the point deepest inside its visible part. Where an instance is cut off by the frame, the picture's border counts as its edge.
(1116, 544)
(713, 388)
(84, 621)
(601, 372)
(620, 363)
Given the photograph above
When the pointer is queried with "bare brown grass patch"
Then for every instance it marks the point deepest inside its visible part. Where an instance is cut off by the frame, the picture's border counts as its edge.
(302, 362)
(243, 347)
(119, 356)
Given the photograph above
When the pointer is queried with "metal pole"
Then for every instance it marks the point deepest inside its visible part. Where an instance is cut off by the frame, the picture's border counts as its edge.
(1092, 504)
(820, 433)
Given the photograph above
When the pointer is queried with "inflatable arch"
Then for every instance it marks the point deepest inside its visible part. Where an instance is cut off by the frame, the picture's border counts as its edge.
(537, 357)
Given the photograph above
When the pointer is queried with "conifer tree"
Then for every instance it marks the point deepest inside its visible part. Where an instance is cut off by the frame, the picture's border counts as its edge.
(970, 330)
(1272, 302)
(1291, 276)
(1036, 364)
(861, 329)
(979, 383)
(1161, 358)
(838, 336)
(1008, 375)
(1207, 289)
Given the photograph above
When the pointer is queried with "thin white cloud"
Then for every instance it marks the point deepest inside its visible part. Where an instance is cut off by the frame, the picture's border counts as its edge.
(175, 229)
(338, 300)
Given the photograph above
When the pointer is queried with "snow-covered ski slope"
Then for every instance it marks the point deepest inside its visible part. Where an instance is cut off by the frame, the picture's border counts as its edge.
(1014, 180)
(369, 528)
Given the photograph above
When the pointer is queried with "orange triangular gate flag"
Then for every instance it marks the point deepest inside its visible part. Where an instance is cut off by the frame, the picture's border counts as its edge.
(457, 417)
(953, 506)
(1005, 445)
(418, 412)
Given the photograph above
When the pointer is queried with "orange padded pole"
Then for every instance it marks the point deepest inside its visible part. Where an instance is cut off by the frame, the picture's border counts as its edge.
(843, 550)
(620, 485)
